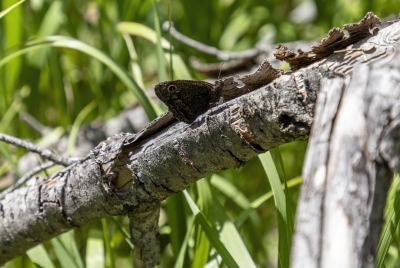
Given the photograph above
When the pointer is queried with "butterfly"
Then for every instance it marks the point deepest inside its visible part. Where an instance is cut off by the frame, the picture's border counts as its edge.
(187, 99)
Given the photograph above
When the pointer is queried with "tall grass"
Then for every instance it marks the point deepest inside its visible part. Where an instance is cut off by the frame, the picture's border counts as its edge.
(68, 63)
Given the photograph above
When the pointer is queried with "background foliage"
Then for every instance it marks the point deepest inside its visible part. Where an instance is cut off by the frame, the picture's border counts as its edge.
(55, 84)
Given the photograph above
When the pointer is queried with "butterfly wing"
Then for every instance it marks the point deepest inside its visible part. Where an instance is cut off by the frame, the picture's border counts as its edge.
(187, 99)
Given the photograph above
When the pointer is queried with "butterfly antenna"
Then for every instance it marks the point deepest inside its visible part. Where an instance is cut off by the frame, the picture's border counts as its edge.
(220, 69)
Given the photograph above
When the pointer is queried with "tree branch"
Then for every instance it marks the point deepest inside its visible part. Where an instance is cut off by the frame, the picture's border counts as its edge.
(112, 182)
(115, 182)
(46, 153)
(220, 54)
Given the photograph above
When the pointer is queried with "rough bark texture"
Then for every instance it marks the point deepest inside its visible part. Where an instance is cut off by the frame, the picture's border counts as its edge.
(334, 41)
(353, 151)
(112, 181)
(131, 120)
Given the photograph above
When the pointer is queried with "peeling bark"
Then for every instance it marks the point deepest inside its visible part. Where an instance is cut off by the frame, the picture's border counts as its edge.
(116, 182)
(334, 41)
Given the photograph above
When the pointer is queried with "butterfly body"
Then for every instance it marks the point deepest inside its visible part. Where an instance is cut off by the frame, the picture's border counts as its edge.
(187, 99)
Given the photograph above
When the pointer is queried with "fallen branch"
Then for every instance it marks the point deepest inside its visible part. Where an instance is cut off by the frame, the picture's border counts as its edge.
(220, 54)
(113, 181)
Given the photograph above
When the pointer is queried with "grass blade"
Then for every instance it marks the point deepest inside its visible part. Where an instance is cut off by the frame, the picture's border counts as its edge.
(68, 243)
(140, 30)
(276, 153)
(231, 238)
(11, 36)
(75, 127)
(95, 255)
(39, 256)
(281, 206)
(204, 202)
(67, 42)
(161, 73)
(180, 260)
(230, 190)
(4, 12)
(392, 219)
(202, 249)
(176, 220)
(211, 233)
(50, 24)
(135, 68)
(110, 260)
(62, 253)
(179, 67)
(259, 201)
(124, 232)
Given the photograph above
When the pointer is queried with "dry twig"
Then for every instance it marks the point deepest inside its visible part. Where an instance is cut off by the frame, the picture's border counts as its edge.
(46, 153)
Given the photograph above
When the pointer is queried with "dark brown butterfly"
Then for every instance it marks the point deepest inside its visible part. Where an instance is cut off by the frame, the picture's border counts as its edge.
(187, 99)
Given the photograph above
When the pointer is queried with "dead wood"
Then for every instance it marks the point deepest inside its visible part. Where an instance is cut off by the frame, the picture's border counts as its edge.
(113, 181)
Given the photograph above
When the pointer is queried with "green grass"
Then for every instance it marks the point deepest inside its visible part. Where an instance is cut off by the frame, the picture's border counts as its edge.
(390, 235)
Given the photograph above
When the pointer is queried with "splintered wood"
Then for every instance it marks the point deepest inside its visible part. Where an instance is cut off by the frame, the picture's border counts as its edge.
(335, 40)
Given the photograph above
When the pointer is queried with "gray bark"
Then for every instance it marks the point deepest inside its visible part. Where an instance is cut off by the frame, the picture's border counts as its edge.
(130, 120)
(353, 151)
(111, 181)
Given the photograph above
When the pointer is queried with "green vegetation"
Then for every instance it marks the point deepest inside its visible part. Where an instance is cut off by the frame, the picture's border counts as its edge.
(69, 63)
